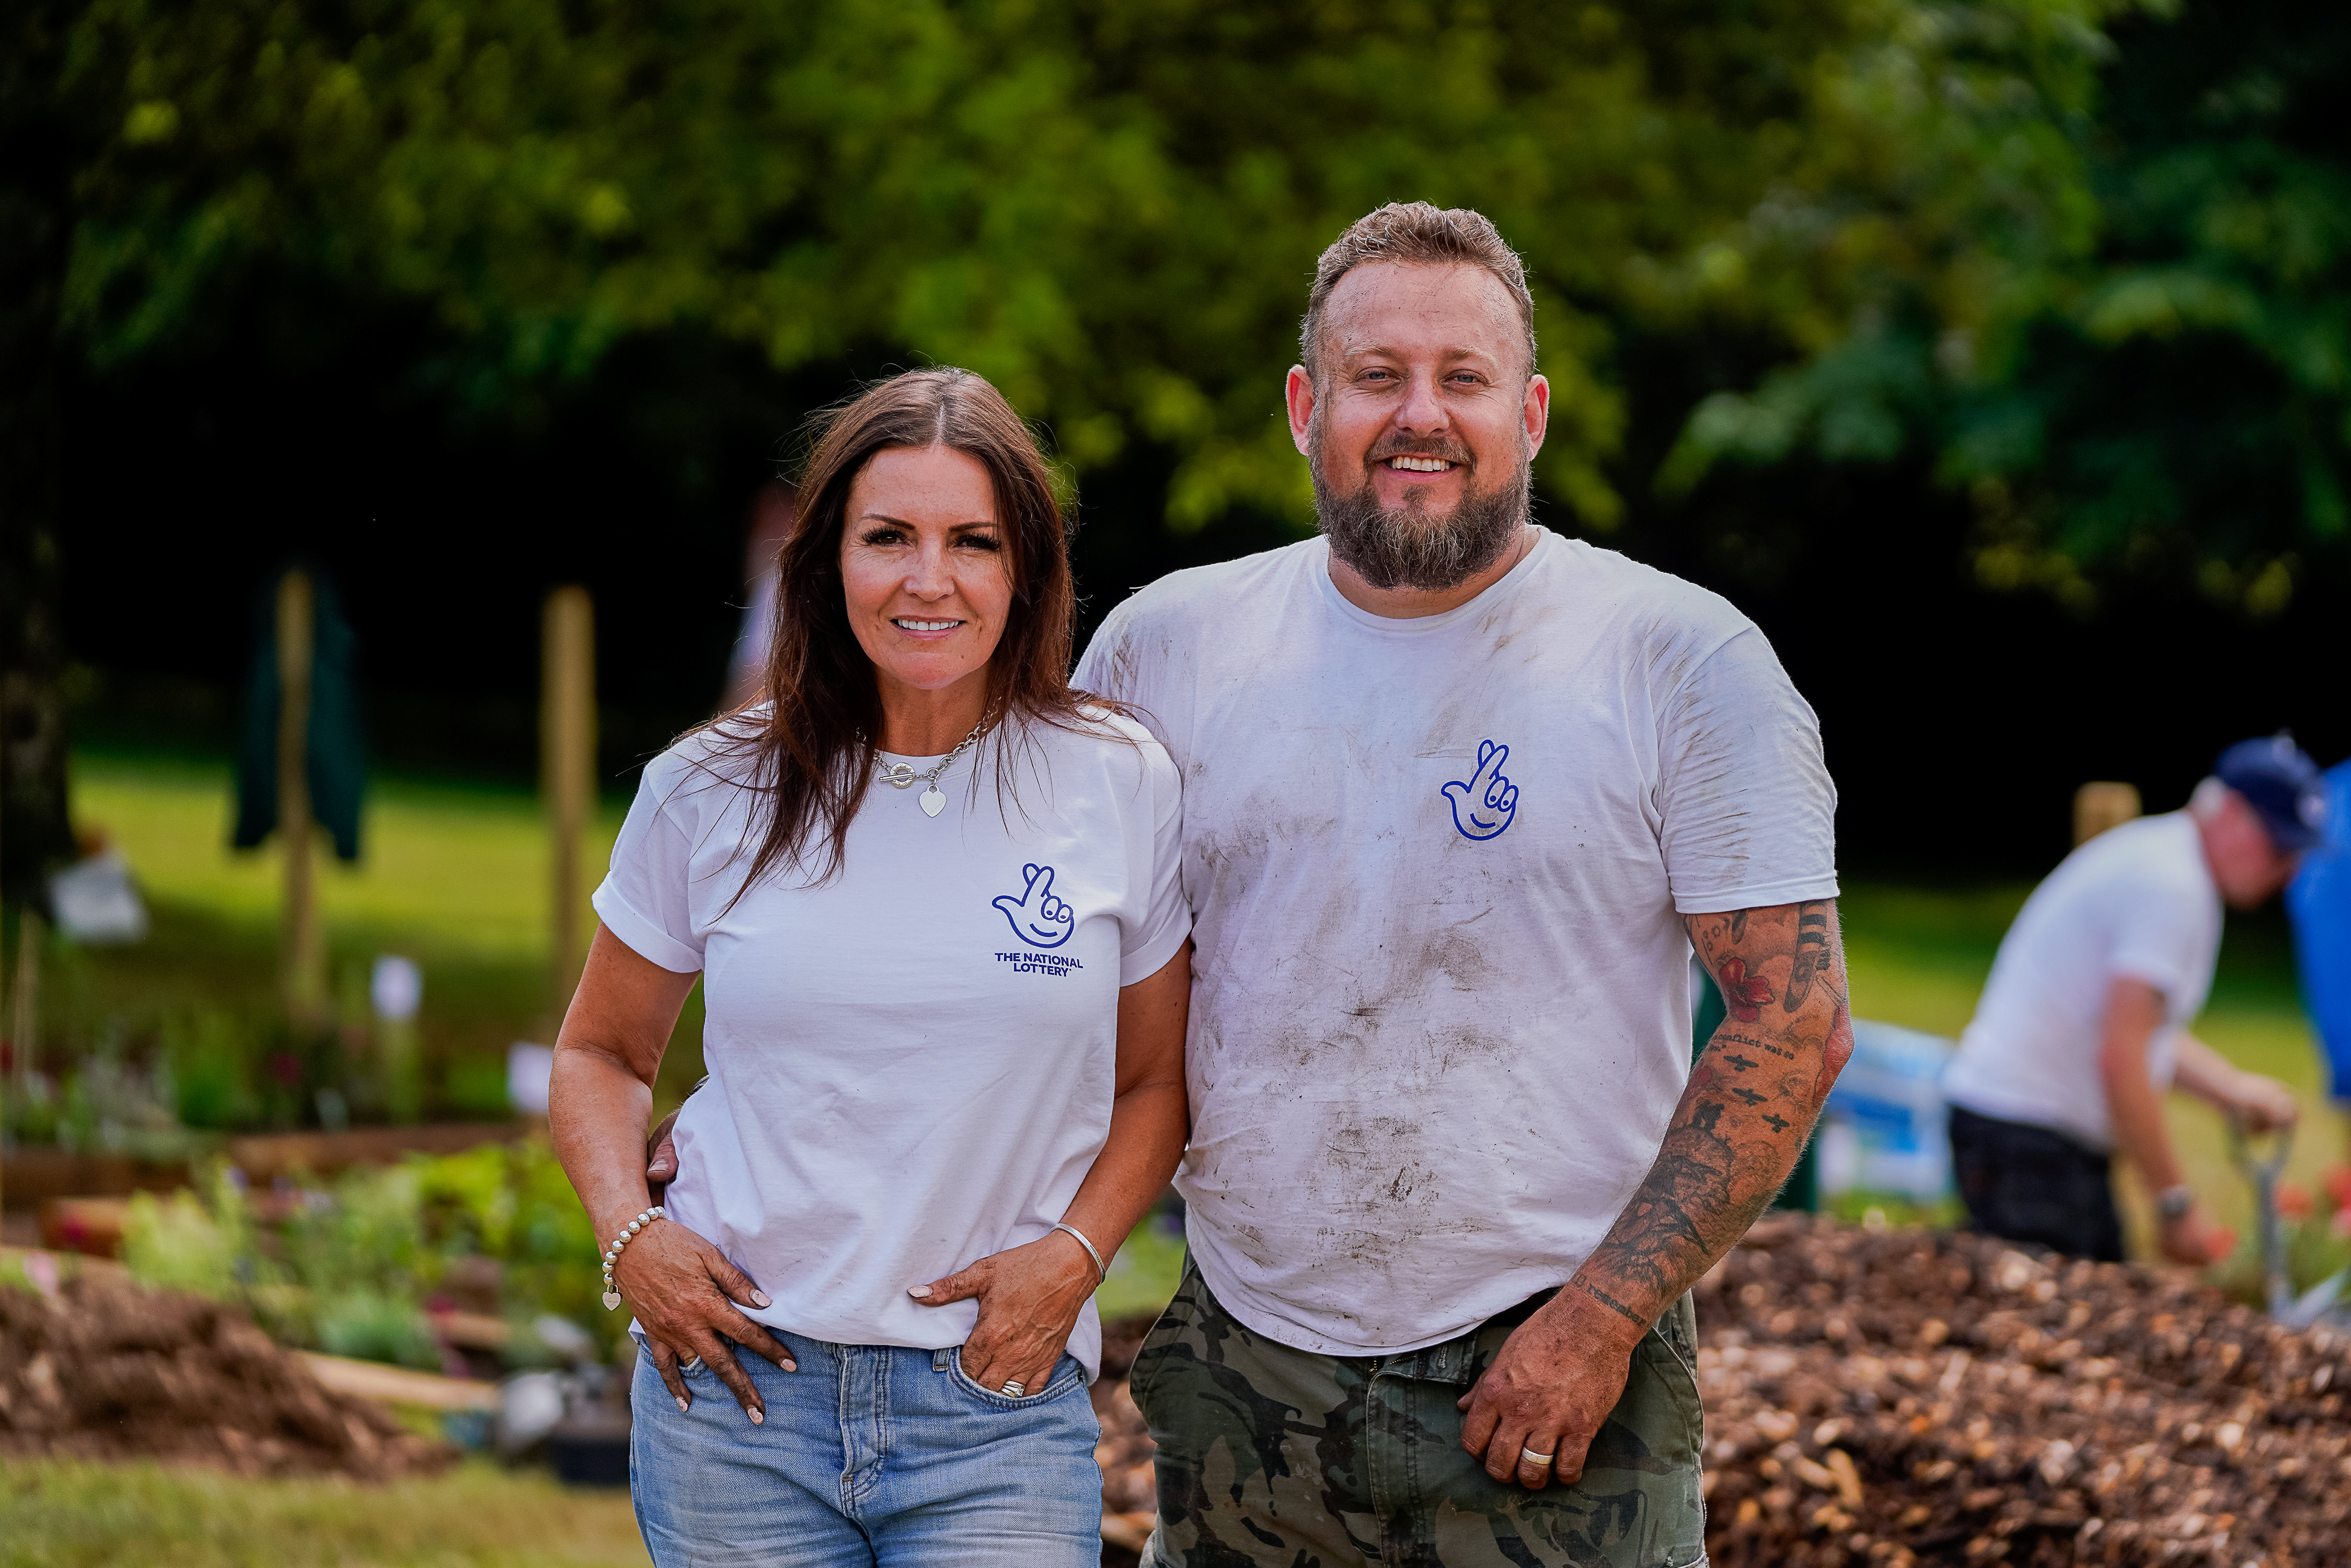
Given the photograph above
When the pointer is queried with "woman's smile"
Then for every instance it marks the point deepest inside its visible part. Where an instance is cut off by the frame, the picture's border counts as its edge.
(923, 629)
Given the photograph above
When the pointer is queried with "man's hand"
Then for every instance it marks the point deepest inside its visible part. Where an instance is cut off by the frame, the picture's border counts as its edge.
(687, 1296)
(1743, 1121)
(2262, 1104)
(1552, 1384)
(1029, 1298)
(661, 1155)
(2194, 1241)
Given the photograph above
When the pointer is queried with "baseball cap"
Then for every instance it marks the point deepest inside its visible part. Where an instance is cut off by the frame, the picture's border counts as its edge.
(2283, 785)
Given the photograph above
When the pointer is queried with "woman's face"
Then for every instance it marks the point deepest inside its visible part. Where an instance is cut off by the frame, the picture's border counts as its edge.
(927, 568)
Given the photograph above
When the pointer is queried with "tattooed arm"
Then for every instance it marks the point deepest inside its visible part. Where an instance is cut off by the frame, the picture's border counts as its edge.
(1735, 1136)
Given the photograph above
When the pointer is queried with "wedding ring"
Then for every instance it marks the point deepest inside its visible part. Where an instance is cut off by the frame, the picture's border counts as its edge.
(1014, 1389)
(1538, 1460)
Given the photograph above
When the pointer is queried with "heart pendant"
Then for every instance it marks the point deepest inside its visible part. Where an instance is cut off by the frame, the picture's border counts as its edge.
(612, 1300)
(932, 801)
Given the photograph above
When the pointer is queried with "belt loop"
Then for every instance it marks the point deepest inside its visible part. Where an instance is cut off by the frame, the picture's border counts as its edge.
(939, 1360)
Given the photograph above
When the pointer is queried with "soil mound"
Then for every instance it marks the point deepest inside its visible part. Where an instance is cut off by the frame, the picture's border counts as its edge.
(107, 1371)
(1903, 1397)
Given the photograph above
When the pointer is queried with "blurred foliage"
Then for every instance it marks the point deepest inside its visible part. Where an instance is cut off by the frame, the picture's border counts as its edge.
(351, 1268)
(2083, 258)
(1112, 207)
(2150, 374)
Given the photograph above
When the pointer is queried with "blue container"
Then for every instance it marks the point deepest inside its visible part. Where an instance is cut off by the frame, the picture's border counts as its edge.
(2318, 901)
(1887, 1128)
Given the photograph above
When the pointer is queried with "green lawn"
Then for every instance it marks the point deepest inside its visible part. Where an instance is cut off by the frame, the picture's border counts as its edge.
(58, 1515)
(453, 875)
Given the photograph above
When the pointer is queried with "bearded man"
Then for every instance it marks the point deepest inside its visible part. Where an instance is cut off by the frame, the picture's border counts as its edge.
(1459, 796)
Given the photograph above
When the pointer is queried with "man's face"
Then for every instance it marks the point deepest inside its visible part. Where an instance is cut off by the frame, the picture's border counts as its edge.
(2247, 865)
(1420, 428)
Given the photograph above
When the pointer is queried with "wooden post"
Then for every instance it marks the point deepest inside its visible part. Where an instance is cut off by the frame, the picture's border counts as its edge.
(305, 948)
(25, 1027)
(2097, 806)
(566, 732)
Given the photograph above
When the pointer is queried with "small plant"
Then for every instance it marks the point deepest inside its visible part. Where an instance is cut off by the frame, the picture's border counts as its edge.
(2316, 1231)
(355, 1267)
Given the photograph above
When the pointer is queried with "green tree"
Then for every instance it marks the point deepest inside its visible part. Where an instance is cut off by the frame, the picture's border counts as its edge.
(2163, 389)
(1110, 206)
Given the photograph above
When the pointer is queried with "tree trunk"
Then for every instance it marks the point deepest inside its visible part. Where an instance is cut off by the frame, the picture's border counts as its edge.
(35, 222)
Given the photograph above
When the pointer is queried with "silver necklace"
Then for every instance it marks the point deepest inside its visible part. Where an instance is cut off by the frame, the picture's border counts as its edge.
(902, 774)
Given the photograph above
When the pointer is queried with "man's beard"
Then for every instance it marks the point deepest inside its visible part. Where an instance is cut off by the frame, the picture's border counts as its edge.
(1406, 546)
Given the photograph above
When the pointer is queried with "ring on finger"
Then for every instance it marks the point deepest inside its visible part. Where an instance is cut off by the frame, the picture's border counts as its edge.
(1538, 1460)
(1014, 1389)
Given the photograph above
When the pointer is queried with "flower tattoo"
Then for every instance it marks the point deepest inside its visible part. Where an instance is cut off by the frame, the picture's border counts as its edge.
(1744, 997)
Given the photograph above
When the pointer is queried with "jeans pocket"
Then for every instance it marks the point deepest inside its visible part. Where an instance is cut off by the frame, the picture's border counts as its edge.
(1067, 1374)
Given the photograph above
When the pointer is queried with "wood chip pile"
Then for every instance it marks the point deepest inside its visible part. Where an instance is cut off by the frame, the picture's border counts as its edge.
(1901, 1397)
(104, 1370)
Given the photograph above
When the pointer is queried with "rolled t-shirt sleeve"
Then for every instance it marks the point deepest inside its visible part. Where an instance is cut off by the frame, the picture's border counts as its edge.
(2160, 938)
(1748, 813)
(1167, 919)
(643, 899)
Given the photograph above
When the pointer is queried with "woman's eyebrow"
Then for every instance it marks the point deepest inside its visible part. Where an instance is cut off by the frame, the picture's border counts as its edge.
(952, 527)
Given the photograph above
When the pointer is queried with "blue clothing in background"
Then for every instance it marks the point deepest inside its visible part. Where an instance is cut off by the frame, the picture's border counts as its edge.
(2319, 903)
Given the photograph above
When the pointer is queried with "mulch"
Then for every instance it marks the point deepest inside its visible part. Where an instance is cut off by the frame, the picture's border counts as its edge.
(1903, 1397)
(106, 1370)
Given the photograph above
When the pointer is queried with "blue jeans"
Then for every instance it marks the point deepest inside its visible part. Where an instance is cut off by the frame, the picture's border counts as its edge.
(872, 1456)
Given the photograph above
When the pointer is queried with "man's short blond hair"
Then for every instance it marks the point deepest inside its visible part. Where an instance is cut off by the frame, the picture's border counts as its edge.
(1416, 232)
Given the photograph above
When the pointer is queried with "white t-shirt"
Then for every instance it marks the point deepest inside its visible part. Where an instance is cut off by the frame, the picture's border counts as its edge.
(2138, 900)
(912, 1065)
(1440, 1012)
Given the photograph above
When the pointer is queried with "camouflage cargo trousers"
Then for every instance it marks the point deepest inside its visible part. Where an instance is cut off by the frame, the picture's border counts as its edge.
(1275, 1457)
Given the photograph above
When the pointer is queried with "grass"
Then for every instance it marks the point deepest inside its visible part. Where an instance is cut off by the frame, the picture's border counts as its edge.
(56, 1514)
(452, 875)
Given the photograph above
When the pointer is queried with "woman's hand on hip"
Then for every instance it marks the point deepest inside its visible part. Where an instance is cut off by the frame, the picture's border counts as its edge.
(687, 1297)
(1029, 1298)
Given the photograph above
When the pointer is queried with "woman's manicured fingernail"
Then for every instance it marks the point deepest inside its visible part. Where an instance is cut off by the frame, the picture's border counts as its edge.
(684, 1406)
(919, 1292)
(758, 1419)
(760, 1299)
(791, 1367)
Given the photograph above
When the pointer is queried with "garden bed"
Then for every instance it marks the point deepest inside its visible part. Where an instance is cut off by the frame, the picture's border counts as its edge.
(101, 1369)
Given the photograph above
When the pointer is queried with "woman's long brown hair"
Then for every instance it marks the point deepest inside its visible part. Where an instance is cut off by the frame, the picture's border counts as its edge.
(811, 755)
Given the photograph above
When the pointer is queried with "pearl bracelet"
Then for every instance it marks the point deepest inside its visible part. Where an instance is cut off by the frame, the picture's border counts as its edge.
(612, 1253)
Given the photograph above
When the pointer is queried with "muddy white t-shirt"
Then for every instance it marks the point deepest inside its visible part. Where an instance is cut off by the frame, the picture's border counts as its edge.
(912, 1065)
(1440, 1004)
(2138, 901)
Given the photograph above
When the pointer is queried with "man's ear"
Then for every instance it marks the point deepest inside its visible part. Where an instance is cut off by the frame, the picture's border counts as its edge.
(1298, 392)
(1537, 413)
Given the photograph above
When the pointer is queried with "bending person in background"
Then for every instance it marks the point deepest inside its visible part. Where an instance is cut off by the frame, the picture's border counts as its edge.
(944, 1031)
(772, 512)
(2084, 1023)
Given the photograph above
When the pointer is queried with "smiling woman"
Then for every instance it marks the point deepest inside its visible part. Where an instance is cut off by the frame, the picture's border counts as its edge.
(946, 1051)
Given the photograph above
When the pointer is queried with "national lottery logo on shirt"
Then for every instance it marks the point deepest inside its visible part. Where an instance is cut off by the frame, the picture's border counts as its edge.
(1486, 802)
(1040, 920)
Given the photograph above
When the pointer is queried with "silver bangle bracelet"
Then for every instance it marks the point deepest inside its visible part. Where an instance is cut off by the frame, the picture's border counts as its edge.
(1100, 1268)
